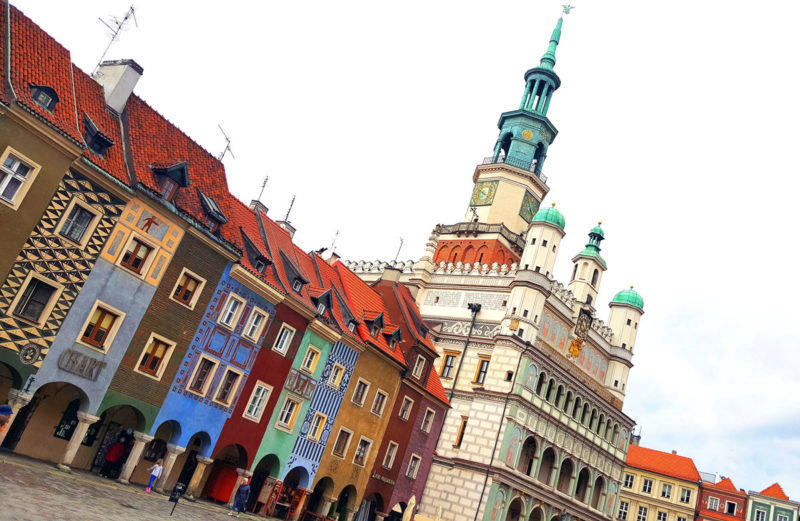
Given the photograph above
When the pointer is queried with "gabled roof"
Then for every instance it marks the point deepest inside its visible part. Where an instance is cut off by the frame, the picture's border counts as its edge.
(726, 485)
(245, 218)
(435, 387)
(662, 463)
(415, 323)
(286, 262)
(211, 207)
(775, 491)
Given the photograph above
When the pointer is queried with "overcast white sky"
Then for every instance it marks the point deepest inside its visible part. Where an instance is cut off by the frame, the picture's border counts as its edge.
(678, 128)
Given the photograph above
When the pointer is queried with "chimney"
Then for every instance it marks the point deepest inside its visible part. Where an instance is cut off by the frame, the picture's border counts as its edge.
(118, 79)
(674, 452)
(635, 439)
(390, 274)
(333, 258)
(286, 225)
(257, 205)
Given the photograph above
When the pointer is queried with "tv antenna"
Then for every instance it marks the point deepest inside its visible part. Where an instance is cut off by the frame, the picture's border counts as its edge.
(116, 26)
(263, 185)
(227, 145)
(398, 249)
(333, 242)
(286, 219)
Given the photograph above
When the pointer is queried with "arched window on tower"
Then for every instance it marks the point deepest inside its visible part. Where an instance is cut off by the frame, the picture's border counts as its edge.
(538, 158)
(469, 254)
(455, 254)
(589, 299)
(574, 272)
(595, 275)
(584, 268)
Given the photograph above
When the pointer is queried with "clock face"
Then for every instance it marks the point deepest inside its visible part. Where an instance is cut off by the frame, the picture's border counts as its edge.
(529, 207)
(484, 193)
(583, 324)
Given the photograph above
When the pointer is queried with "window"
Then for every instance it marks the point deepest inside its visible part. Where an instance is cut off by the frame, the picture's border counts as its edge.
(647, 486)
(35, 300)
(155, 356)
(628, 322)
(681, 518)
(320, 309)
(544, 243)
(628, 483)
(317, 426)
(258, 400)
(623, 511)
(337, 373)
(99, 330)
(230, 313)
(713, 503)
(379, 403)
(388, 458)
(230, 383)
(311, 359)
(427, 421)
(284, 339)
(666, 491)
(642, 515)
(362, 451)
(202, 376)
(360, 392)
(351, 326)
(44, 96)
(135, 256)
(661, 516)
(255, 324)
(413, 466)
(168, 188)
(483, 368)
(761, 515)
(187, 289)
(419, 365)
(297, 285)
(730, 509)
(461, 429)
(78, 220)
(686, 494)
(448, 365)
(342, 442)
(405, 408)
(782, 517)
(288, 413)
(14, 173)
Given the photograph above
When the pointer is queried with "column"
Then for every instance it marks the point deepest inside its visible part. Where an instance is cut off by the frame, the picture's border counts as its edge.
(325, 505)
(195, 486)
(84, 421)
(380, 516)
(140, 440)
(525, 94)
(169, 461)
(17, 400)
(350, 514)
(243, 474)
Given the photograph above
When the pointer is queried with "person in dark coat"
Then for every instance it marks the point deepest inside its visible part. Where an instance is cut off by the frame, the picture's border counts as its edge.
(240, 500)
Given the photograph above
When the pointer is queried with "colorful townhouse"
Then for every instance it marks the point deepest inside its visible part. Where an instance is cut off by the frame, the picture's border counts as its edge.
(771, 504)
(721, 501)
(658, 486)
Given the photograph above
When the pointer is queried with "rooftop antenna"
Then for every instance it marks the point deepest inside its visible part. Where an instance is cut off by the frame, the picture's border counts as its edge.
(263, 185)
(227, 145)
(398, 249)
(116, 26)
(333, 243)
(286, 219)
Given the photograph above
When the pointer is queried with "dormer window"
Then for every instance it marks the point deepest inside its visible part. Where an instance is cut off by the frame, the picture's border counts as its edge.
(95, 140)
(297, 285)
(320, 309)
(44, 96)
(260, 266)
(214, 215)
(374, 331)
(351, 326)
(393, 343)
(170, 177)
(168, 189)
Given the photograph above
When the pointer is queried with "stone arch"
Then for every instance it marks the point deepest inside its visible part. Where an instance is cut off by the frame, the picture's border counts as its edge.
(584, 476)
(585, 413)
(481, 254)
(584, 268)
(540, 382)
(297, 477)
(527, 456)
(515, 509)
(537, 514)
(599, 426)
(576, 408)
(565, 472)
(546, 463)
(346, 500)
(265, 473)
(443, 254)
(139, 421)
(615, 434)
(469, 254)
(10, 378)
(593, 419)
(607, 434)
(455, 254)
(559, 395)
(567, 405)
(598, 491)
(550, 387)
(595, 275)
(503, 145)
(322, 489)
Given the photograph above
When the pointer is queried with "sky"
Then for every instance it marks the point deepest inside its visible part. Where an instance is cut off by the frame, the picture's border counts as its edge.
(677, 128)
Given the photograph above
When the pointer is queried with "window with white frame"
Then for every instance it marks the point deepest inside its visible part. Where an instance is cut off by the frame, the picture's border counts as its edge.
(642, 514)
(231, 311)
(360, 392)
(351, 326)
(666, 490)
(623, 511)
(661, 516)
(258, 401)
(427, 421)
(202, 375)
(405, 408)
(284, 339)
(101, 326)
(730, 508)
(155, 356)
(782, 517)
(137, 255)
(310, 359)
(335, 378)
(419, 365)
(320, 309)
(761, 515)
(78, 222)
(388, 458)
(647, 486)
(686, 495)
(288, 412)
(628, 482)
(36, 298)
(255, 324)
(362, 451)
(713, 503)
(681, 518)
(317, 426)
(16, 174)
(228, 386)
(413, 466)
(342, 442)
(379, 403)
(188, 288)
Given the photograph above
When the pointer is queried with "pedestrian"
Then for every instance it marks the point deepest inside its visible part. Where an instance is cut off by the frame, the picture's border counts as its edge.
(239, 501)
(5, 416)
(112, 459)
(155, 473)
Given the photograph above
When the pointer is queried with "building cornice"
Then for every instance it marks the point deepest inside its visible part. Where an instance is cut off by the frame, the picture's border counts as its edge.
(240, 274)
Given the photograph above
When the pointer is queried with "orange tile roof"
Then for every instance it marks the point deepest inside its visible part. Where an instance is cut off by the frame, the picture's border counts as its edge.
(726, 485)
(4, 96)
(775, 491)
(662, 463)
(435, 387)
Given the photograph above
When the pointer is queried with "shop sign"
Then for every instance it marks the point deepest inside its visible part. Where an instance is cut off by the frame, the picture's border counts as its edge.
(80, 364)
(384, 479)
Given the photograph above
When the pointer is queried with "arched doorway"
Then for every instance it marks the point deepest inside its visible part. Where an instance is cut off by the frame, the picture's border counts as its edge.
(565, 476)
(583, 485)
(295, 486)
(223, 476)
(597, 491)
(262, 482)
(43, 428)
(167, 432)
(369, 507)
(116, 425)
(323, 488)
(199, 445)
(346, 501)
(546, 465)
(527, 456)
(536, 515)
(514, 510)
(9, 379)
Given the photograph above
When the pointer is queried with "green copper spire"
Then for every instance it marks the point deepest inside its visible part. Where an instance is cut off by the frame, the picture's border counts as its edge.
(548, 60)
(596, 235)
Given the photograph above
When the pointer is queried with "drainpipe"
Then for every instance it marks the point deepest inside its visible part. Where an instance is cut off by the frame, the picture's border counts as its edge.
(500, 427)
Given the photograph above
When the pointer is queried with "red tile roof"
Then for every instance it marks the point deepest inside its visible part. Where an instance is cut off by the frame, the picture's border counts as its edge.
(662, 463)
(4, 96)
(246, 219)
(436, 388)
(775, 491)
(413, 318)
(726, 485)
(329, 278)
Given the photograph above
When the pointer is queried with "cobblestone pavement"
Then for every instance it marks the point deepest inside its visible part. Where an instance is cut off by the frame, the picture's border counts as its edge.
(32, 490)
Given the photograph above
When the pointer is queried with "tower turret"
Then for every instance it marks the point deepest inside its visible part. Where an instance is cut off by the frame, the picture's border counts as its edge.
(588, 268)
(627, 308)
(543, 240)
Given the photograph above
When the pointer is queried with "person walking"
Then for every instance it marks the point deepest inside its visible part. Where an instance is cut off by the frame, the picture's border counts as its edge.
(112, 458)
(155, 473)
(239, 501)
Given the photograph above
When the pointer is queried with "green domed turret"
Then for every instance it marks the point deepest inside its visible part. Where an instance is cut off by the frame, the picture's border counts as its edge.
(596, 235)
(549, 215)
(629, 297)
(598, 231)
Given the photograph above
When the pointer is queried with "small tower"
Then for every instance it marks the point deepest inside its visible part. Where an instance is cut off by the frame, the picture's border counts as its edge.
(588, 269)
(542, 241)
(627, 308)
